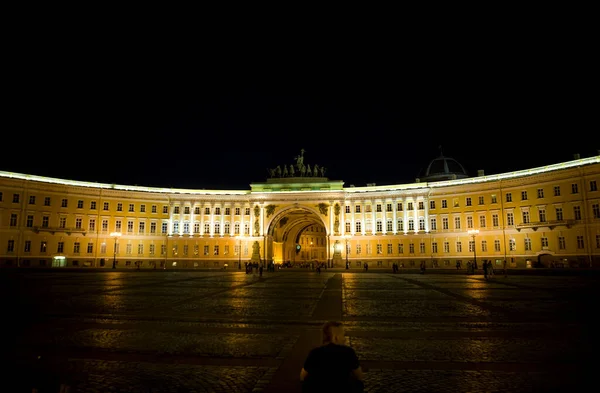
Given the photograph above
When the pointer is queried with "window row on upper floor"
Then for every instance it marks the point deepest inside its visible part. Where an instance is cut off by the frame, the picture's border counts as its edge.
(358, 208)
(455, 202)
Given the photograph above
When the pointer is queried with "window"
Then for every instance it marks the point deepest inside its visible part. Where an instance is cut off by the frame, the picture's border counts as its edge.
(468, 201)
(596, 210)
(118, 226)
(64, 202)
(444, 204)
(357, 209)
(43, 247)
(217, 211)
(142, 208)
(164, 228)
(574, 188)
(433, 223)
(399, 207)
(525, 217)
(175, 226)
(93, 205)
(495, 220)
(207, 210)
(27, 247)
(542, 214)
(422, 248)
(540, 192)
(247, 212)
(508, 197)
(421, 223)
(510, 219)
(556, 190)
(131, 208)
(544, 242)
(104, 225)
(62, 222)
(216, 250)
(388, 207)
(512, 245)
(593, 186)
(411, 248)
(446, 247)
(31, 199)
(400, 225)
(379, 226)
(186, 210)
(577, 212)
(153, 209)
(421, 205)
(434, 247)
(90, 248)
(60, 248)
(380, 249)
(227, 211)
(128, 249)
(129, 226)
(559, 214)
(141, 227)
(176, 210)
(45, 221)
(431, 204)
(459, 246)
(140, 249)
(207, 229)
(76, 248)
(580, 244)
(11, 246)
(400, 248)
(78, 223)
(445, 224)
(217, 230)
(105, 207)
(411, 224)
(456, 222)
(80, 204)
(469, 222)
(410, 206)
(358, 227)
(47, 201)
(494, 199)
(236, 211)
(119, 207)
(482, 222)
(389, 225)
(527, 244)
(15, 198)
(152, 227)
(523, 195)
(165, 209)
(29, 223)
(497, 245)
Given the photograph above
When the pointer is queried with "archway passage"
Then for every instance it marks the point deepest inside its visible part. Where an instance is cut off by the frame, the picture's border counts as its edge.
(298, 238)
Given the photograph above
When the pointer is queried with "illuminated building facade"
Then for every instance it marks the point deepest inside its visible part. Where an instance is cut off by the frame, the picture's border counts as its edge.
(541, 217)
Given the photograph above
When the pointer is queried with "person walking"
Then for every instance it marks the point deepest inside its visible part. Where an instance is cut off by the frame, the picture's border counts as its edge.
(333, 366)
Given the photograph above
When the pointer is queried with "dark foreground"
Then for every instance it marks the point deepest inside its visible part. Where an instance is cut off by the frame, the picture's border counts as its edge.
(226, 331)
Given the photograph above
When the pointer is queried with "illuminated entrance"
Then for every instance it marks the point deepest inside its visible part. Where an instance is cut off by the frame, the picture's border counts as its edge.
(59, 261)
(297, 236)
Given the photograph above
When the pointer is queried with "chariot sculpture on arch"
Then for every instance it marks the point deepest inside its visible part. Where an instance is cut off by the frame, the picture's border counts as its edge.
(299, 169)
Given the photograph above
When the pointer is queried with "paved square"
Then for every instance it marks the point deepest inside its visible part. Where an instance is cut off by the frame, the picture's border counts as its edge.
(227, 331)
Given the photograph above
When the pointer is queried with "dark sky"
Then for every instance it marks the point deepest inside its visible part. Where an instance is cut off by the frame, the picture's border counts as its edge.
(220, 125)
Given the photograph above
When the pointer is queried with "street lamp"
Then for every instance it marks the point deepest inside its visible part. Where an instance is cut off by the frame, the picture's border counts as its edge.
(116, 236)
(473, 233)
(347, 238)
(239, 237)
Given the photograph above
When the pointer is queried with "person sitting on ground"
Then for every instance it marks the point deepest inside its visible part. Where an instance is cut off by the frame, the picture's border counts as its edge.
(333, 366)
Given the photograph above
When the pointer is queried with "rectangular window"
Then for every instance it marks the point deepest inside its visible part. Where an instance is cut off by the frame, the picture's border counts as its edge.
(78, 223)
(217, 211)
(577, 212)
(580, 244)
(468, 201)
(444, 204)
(31, 199)
(542, 214)
(76, 247)
(593, 186)
(27, 247)
(142, 208)
(508, 197)
(16, 198)
(540, 192)
(93, 205)
(495, 220)
(119, 207)
(559, 214)
(29, 223)
(165, 209)
(510, 219)
(62, 222)
(153, 209)
(556, 190)
(445, 223)
(399, 206)
(90, 248)
(80, 204)
(481, 200)
(527, 244)
(497, 245)
(105, 206)
(456, 222)
(64, 202)
(47, 201)
(562, 244)
(574, 188)
(523, 195)
(131, 208)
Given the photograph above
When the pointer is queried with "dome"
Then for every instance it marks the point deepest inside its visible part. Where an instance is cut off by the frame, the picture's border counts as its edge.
(443, 168)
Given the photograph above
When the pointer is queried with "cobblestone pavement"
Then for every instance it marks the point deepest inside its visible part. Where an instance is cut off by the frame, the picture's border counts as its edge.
(227, 331)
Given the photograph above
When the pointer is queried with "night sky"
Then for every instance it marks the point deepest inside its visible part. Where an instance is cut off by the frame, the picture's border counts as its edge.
(223, 126)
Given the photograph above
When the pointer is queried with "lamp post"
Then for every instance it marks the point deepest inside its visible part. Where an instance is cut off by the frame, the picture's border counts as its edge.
(116, 236)
(473, 233)
(347, 238)
(239, 237)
